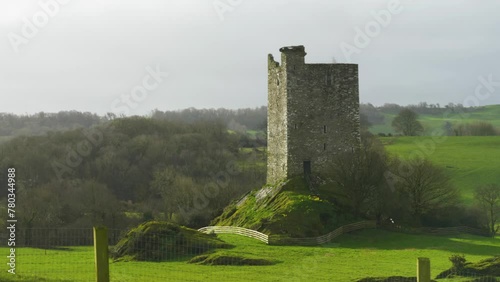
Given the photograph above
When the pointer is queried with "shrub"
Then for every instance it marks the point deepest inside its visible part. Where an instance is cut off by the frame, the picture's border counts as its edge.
(458, 262)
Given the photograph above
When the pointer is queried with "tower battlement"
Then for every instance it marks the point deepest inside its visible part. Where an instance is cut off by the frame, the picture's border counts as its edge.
(313, 112)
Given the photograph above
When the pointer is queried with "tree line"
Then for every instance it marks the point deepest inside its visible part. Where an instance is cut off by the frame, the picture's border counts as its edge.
(42, 122)
(127, 170)
(239, 120)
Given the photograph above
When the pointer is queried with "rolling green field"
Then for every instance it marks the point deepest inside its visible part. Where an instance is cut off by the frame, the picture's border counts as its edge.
(490, 114)
(352, 256)
(470, 160)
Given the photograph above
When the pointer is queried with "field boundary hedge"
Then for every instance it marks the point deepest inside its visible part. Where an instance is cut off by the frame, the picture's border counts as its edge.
(444, 231)
(323, 239)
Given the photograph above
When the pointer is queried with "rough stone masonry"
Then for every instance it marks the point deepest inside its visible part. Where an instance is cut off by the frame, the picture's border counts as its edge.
(313, 113)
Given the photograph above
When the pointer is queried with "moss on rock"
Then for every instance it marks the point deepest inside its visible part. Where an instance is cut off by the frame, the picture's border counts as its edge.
(288, 209)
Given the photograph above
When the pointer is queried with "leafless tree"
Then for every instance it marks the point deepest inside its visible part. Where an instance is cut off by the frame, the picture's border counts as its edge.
(488, 197)
(358, 175)
(423, 185)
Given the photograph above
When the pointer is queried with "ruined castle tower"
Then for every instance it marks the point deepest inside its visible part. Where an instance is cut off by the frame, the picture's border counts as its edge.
(313, 113)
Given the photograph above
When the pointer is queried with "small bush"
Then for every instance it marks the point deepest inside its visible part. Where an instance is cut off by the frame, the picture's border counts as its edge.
(485, 268)
(458, 262)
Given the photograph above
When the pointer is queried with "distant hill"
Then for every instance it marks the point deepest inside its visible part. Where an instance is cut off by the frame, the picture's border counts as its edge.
(432, 119)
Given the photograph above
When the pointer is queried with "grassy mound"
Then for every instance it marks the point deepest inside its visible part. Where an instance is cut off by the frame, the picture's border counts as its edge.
(287, 209)
(160, 241)
(485, 267)
(220, 258)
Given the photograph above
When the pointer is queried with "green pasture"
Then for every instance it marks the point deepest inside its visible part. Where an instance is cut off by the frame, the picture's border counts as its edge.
(470, 160)
(352, 256)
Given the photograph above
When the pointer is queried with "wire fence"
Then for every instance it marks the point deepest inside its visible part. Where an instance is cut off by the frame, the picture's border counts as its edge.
(69, 255)
(58, 254)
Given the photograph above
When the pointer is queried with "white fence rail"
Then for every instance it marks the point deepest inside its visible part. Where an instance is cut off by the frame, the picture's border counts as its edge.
(278, 240)
(236, 230)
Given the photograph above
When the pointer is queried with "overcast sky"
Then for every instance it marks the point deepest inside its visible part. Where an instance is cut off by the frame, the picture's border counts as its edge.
(131, 56)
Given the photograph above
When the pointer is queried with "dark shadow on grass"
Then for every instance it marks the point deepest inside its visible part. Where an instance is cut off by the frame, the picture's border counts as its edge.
(51, 248)
(386, 240)
(24, 278)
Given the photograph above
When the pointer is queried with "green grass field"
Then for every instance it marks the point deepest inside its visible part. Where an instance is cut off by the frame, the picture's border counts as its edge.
(352, 256)
(470, 160)
(490, 114)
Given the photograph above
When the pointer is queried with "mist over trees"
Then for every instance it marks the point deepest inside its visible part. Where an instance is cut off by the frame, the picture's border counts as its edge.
(40, 123)
(239, 120)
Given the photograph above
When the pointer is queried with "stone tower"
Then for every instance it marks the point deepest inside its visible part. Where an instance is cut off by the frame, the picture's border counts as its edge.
(313, 113)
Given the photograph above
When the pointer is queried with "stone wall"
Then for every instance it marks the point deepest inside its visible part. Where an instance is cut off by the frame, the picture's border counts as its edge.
(312, 114)
(276, 122)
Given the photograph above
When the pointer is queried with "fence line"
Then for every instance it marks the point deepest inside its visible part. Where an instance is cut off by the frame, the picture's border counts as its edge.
(236, 230)
(436, 231)
(311, 241)
(280, 240)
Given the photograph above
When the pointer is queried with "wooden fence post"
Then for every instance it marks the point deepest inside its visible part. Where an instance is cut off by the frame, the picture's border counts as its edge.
(423, 270)
(101, 254)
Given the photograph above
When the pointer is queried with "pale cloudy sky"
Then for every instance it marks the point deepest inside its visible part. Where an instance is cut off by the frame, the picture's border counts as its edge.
(92, 55)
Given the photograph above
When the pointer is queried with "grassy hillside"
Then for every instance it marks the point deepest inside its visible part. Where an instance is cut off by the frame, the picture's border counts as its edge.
(288, 209)
(470, 160)
(352, 256)
(489, 114)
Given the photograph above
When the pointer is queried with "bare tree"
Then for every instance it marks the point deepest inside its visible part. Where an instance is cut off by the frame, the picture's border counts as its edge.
(358, 175)
(175, 188)
(488, 197)
(406, 122)
(424, 186)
